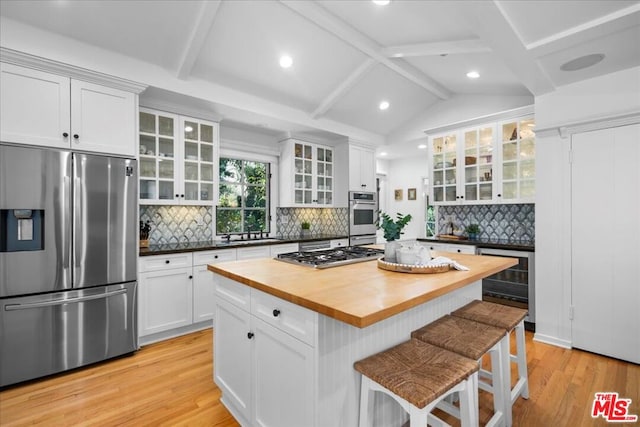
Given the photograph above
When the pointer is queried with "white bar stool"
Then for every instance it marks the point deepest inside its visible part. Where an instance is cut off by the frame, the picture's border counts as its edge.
(509, 319)
(473, 340)
(418, 376)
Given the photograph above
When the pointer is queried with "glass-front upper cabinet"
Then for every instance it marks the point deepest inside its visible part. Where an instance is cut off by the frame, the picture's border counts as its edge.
(478, 164)
(444, 161)
(198, 164)
(158, 149)
(178, 159)
(518, 161)
(324, 176)
(306, 174)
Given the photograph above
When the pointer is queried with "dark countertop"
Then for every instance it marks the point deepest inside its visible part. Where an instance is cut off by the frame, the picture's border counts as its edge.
(507, 244)
(173, 248)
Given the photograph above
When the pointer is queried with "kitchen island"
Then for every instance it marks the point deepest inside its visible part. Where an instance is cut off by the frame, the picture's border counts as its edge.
(286, 336)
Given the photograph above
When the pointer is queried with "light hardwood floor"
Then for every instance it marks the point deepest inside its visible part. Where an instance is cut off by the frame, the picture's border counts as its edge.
(170, 383)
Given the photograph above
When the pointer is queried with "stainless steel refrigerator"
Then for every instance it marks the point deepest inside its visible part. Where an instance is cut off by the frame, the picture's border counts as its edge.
(68, 254)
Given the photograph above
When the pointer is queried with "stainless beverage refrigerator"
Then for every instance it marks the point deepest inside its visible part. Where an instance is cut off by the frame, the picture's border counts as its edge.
(68, 254)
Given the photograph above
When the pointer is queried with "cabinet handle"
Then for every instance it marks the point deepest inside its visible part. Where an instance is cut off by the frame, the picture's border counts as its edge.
(190, 277)
(65, 134)
(499, 195)
(182, 195)
(276, 312)
(215, 257)
(76, 136)
(459, 251)
(177, 195)
(167, 261)
(249, 335)
(462, 197)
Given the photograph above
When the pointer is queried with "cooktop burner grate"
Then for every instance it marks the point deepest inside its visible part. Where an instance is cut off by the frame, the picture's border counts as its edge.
(331, 257)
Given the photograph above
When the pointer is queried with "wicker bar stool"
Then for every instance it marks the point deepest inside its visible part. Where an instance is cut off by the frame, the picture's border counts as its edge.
(418, 375)
(473, 340)
(509, 319)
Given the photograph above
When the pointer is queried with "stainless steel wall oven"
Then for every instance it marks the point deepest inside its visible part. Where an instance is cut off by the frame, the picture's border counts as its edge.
(363, 216)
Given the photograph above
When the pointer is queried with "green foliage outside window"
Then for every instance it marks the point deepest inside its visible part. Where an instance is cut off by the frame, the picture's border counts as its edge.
(244, 196)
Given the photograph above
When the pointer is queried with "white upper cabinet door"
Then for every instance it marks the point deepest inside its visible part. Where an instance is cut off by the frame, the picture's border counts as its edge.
(34, 107)
(103, 119)
(362, 169)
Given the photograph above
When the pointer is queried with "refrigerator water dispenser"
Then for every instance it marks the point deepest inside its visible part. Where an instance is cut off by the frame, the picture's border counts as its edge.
(21, 230)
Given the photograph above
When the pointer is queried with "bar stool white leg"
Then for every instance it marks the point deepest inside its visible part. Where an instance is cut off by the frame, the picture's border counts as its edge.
(522, 386)
(366, 408)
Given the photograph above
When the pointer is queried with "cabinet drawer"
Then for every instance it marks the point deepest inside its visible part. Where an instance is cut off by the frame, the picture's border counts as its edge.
(165, 262)
(254, 252)
(296, 321)
(339, 243)
(233, 292)
(283, 249)
(213, 257)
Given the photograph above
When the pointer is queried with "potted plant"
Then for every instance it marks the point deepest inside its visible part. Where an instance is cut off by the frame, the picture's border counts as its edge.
(306, 228)
(392, 230)
(472, 231)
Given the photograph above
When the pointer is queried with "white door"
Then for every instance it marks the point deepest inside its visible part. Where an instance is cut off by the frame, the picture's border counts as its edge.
(282, 390)
(102, 119)
(165, 300)
(232, 357)
(605, 248)
(34, 107)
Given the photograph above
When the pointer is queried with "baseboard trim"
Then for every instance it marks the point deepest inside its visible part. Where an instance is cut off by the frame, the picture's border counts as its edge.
(548, 339)
(172, 333)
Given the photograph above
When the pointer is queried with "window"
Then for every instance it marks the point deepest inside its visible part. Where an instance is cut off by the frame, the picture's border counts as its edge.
(244, 196)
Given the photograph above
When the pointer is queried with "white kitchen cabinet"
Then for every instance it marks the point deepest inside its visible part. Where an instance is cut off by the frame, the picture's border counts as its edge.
(253, 252)
(362, 169)
(204, 282)
(284, 248)
(165, 300)
(279, 397)
(274, 341)
(336, 243)
(517, 156)
(232, 355)
(448, 247)
(177, 291)
(493, 163)
(40, 108)
(306, 174)
(178, 159)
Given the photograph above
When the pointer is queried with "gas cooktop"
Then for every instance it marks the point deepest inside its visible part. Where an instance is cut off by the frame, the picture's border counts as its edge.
(331, 257)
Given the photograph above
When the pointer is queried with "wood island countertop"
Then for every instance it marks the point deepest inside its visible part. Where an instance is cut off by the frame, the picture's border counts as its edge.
(359, 294)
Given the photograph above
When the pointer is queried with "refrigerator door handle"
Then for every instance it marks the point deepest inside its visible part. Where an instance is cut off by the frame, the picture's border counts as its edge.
(13, 307)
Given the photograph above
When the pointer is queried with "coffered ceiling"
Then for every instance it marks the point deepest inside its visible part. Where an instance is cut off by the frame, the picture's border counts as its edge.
(348, 56)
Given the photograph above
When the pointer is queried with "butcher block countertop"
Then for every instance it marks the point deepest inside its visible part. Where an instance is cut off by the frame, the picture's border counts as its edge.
(359, 294)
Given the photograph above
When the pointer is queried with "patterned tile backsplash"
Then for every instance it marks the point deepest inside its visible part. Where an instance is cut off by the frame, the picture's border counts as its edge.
(514, 222)
(323, 221)
(178, 224)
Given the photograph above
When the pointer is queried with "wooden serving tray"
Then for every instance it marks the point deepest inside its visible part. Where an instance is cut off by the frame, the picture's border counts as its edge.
(451, 237)
(415, 269)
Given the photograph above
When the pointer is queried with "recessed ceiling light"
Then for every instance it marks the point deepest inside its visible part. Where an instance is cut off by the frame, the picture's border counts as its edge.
(383, 105)
(286, 61)
(422, 146)
(582, 62)
(383, 153)
(473, 74)
(381, 2)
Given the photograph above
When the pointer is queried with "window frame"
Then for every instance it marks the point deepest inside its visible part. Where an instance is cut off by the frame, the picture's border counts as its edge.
(247, 157)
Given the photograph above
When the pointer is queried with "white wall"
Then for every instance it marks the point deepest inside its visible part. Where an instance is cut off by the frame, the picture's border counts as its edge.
(616, 94)
(404, 174)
